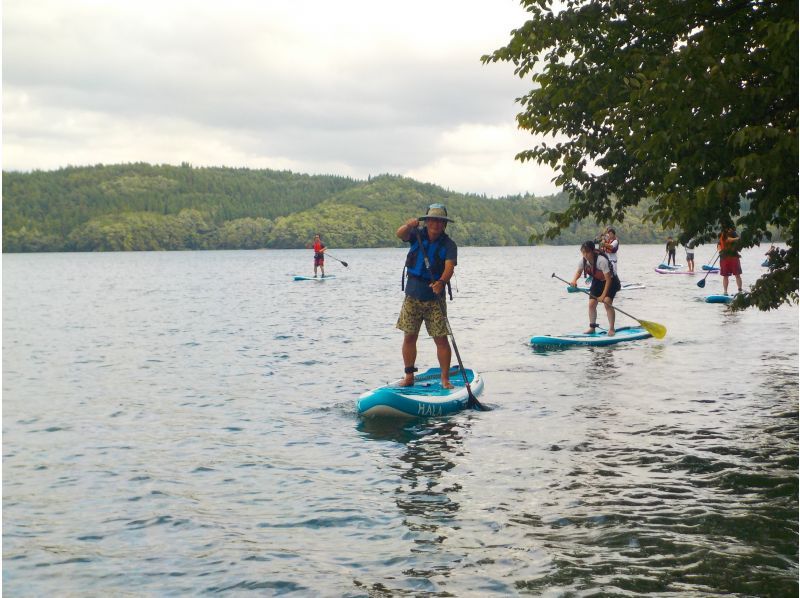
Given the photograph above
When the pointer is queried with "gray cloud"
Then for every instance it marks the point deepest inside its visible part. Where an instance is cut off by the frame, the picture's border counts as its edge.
(269, 88)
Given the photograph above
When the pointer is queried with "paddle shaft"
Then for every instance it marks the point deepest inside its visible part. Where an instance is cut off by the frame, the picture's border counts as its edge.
(593, 297)
(337, 259)
(473, 401)
(702, 283)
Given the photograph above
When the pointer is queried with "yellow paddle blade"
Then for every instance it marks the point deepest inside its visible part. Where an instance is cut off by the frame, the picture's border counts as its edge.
(657, 330)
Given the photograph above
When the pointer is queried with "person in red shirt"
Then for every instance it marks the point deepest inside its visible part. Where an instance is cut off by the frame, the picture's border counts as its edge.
(319, 255)
(729, 263)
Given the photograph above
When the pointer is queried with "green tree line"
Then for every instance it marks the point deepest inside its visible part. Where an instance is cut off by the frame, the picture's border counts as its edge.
(143, 207)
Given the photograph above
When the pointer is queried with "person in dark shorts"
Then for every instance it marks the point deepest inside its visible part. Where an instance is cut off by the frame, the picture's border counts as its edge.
(689, 247)
(319, 255)
(424, 300)
(605, 284)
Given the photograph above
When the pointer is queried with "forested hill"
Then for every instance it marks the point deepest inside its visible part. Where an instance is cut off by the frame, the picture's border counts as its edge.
(134, 207)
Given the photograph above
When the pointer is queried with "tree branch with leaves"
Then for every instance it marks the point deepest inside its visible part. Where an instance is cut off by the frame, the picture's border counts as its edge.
(692, 104)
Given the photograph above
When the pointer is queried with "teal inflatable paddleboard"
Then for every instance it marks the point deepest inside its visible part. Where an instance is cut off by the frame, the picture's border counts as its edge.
(719, 298)
(710, 268)
(317, 278)
(599, 339)
(426, 398)
(631, 286)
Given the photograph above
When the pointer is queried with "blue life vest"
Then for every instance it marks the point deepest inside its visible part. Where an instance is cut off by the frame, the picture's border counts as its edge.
(415, 261)
(436, 252)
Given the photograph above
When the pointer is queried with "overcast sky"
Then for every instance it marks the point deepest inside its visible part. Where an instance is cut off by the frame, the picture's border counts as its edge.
(349, 87)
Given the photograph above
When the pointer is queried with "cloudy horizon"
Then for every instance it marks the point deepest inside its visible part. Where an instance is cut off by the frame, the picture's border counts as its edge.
(353, 88)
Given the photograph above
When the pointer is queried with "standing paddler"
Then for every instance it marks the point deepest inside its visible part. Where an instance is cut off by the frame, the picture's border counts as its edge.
(424, 299)
(605, 284)
(319, 255)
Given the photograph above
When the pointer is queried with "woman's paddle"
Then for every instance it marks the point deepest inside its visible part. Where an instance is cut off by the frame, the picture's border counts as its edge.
(472, 402)
(657, 330)
(337, 259)
(702, 283)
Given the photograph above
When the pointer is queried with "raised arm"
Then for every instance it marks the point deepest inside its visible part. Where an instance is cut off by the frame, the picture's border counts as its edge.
(405, 231)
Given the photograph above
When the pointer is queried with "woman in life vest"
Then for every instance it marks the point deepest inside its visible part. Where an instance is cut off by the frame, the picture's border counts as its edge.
(609, 244)
(605, 284)
(424, 299)
(319, 255)
(729, 263)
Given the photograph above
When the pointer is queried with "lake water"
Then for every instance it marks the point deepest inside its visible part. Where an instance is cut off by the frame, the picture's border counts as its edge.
(184, 423)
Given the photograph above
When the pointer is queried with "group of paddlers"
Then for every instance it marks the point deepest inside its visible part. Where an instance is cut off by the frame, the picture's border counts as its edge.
(432, 258)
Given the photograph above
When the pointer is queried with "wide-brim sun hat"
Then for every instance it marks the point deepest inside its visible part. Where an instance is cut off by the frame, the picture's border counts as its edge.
(437, 211)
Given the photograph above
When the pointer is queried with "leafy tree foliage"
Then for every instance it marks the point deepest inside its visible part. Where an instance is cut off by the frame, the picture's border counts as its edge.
(691, 103)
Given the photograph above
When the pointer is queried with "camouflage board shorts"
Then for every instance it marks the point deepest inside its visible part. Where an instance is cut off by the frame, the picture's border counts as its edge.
(414, 312)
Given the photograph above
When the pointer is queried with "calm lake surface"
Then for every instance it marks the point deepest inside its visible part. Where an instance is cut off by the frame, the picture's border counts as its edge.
(184, 423)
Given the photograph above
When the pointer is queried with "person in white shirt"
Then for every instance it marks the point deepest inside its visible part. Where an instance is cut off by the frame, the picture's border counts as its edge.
(610, 246)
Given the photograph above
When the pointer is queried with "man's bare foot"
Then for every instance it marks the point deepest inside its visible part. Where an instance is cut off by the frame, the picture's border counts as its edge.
(590, 331)
(407, 381)
(611, 332)
(446, 384)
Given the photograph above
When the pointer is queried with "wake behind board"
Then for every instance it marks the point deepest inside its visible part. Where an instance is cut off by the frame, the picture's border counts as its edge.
(599, 339)
(317, 278)
(719, 299)
(426, 398)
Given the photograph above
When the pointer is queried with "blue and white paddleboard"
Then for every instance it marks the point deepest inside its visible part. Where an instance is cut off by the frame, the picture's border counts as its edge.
(631, 286)
(426, 398)
(719, 298)
(672, 271)
(598, 339)
(664, 266)
(710, 268)
(317, 278)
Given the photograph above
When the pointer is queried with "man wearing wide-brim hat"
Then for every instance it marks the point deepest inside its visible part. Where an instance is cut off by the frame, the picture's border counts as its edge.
(424, 287)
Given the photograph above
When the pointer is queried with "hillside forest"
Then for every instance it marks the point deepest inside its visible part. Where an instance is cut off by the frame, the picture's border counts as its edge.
(143, 207)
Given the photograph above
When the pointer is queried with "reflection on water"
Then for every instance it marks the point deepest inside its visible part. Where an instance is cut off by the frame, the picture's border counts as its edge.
(427, 503)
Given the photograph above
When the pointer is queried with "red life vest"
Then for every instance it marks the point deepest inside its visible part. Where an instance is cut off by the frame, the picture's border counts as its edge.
(592, 269)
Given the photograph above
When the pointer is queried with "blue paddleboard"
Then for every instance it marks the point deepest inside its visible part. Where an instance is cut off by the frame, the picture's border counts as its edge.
(719, 298)
(426, 398)
(664, 266)
(711, 268)
(631, 286)
(317, 278)
(599, 339)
